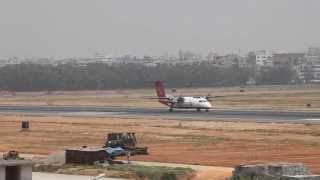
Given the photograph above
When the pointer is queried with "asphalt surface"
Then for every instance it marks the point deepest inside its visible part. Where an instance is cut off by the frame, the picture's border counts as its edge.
(51, 176)
(177, 114)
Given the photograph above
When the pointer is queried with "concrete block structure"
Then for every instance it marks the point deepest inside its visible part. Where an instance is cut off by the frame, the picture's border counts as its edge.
(16, 170)
(85, 155)
(282, 171)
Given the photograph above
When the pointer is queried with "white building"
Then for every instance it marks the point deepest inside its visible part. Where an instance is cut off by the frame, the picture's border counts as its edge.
(264, 58)
(16, 170)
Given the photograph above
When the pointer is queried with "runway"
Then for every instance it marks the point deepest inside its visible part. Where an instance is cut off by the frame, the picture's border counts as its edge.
(177, 114)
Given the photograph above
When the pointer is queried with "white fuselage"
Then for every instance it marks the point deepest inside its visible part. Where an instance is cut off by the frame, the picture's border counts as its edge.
(190, 102)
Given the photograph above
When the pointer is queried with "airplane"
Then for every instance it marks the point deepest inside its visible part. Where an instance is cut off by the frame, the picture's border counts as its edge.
(181, 102)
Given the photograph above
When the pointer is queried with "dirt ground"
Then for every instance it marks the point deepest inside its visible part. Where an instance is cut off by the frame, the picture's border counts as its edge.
(214, 173)
(187, 142)
(290, 97)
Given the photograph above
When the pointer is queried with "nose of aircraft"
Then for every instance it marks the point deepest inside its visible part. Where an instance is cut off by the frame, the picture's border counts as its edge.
(209, 105)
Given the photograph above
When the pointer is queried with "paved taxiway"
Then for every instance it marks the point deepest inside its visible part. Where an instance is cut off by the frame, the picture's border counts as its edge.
(212, 115)
(51, 176)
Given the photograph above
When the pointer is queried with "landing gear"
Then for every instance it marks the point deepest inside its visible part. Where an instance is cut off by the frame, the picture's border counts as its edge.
(198, 109)
(171, 108)
(207, 110)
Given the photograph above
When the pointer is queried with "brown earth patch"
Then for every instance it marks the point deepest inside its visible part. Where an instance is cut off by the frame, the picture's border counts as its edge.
(205, 143)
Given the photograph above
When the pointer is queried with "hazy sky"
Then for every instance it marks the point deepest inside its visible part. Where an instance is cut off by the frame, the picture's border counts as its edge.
(66, 28)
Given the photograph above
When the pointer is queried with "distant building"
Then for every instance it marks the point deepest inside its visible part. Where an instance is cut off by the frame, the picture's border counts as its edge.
(228, 61)
(310, 74)
(296, 61)
(315, 51)
(242, 62)
(251, 59)
(212, 56)
(310, 70)
(288, 59)
(264, 58)
(102, 58)
(313, 56)
(188, 55)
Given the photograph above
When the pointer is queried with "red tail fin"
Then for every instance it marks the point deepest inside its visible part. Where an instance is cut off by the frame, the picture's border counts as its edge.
(160, 89)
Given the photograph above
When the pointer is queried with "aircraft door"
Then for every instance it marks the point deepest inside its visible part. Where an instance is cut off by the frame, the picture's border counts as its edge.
(180, 102)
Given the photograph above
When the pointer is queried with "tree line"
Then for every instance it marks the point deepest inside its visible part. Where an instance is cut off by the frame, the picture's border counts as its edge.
(99, 76)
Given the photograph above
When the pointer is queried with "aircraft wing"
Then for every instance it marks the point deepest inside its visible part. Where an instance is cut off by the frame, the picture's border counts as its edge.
(214, 96)
(164, 98)
(209, 98)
